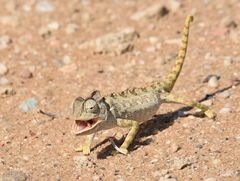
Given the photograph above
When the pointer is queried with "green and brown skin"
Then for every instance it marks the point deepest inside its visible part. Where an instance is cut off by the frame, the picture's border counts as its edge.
(131, 107)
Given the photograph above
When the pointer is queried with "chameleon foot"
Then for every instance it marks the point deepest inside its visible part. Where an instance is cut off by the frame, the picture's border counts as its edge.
(84, 149)
(210, 114)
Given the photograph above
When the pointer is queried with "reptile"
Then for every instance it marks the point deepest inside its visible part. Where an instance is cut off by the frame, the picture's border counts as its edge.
(132, 107)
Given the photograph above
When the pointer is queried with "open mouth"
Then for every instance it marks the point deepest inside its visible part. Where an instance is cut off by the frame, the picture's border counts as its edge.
(80, 126)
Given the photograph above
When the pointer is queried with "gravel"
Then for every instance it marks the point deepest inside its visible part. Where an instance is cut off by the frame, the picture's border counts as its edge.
(71, 28)
(213, 81)
(5, 41)
(156, 11)
(3, 69)
(225, 110)
(4, 81)
(228, 61)
(44, 6)
(14, 175)
(29, 104)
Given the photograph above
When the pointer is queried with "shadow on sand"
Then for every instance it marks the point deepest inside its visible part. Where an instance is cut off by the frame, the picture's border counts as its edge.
(153, 126)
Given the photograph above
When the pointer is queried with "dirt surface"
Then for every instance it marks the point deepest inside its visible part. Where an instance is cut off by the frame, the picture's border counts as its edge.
(43, 62)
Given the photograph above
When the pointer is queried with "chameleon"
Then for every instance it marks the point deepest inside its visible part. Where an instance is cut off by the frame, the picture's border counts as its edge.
(132, 107)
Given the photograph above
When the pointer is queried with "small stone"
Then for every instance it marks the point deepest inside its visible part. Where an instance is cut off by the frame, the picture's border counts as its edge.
(228, 61)
(225, 94)
(120, 179)
(28, 105)
(174, 5)
(176, 41)
(181, 163)
(11, 20)
(167, 179)
(44, 32)
(14, 175)
(7, 90)
(3, 69)
(225, 110)
(53, 26)
(152, 12)
(175, 147)
(4, 81)
(71, 28)
(229, 22)
(27, 8)
(44, 6)
(153, 40)
(151, 49)
(210, 179)
(26, 74)
(83, 161)
(116, 43)
(229, 173)
(5, 41)
(213, 81)
(216, 161)
(209, 56)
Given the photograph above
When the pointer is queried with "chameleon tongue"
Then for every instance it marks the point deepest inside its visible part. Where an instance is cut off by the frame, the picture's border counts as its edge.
(81, 125)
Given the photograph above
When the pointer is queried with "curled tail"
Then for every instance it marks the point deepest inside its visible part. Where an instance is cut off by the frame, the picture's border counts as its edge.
(171, 78)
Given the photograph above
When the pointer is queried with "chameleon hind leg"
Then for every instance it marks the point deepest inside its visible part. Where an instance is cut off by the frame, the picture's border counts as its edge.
(170, 98)
(86, 147)
(131, 134)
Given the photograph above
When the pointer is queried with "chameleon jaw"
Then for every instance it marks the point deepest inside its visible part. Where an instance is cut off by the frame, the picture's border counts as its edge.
(81, 127)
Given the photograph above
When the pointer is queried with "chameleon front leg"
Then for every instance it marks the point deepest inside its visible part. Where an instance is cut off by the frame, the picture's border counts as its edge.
(131, 134)
(86, 147)
(168, 97)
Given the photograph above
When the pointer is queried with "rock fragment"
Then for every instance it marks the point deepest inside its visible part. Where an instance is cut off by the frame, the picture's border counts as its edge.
(5, 41)
(117, 43)
(154, 12)
(44, 6)
(29, 104)
(3, 69)
(14, 175)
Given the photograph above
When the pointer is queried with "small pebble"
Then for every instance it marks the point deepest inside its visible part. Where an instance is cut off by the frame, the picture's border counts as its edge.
(53, 26)
(14, 175)
(213, 81)
(44, 6)
(120, 179)
(229, 173)
(174, 5)
(225, 94)
(209, 56)
(83, 161)
(3, 69)
(28, 105)
(26, 74)
(225, 110)
(228, 61)
(181, 163)
(4, 81)
(210, 179)
(175, 147)
(7, 90)
(153, 40)
(5, 41)
(71, 28)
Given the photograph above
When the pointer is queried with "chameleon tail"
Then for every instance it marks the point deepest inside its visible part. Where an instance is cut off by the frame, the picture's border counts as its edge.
(170, 80)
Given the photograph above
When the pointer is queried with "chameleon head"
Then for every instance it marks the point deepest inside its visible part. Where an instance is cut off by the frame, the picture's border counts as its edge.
(88, 114)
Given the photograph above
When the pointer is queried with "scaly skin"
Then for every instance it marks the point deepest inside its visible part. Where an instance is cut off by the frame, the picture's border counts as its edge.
(131, 107)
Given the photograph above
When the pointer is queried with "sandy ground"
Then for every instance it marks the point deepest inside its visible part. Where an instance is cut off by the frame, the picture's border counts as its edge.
(42, 58)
